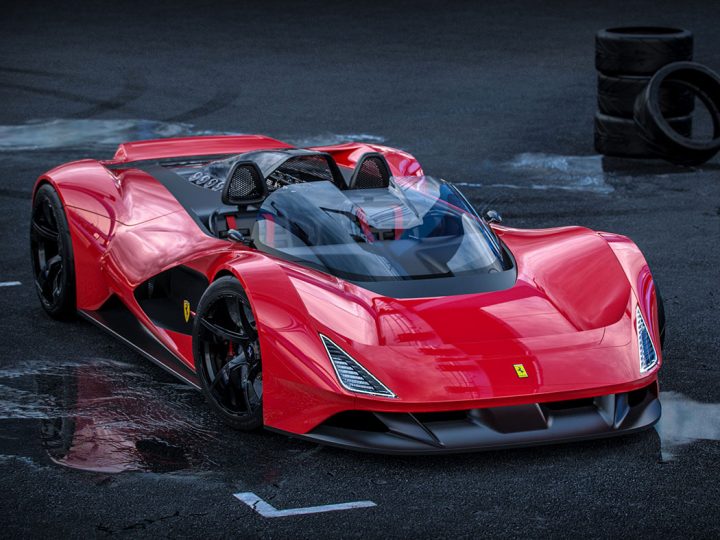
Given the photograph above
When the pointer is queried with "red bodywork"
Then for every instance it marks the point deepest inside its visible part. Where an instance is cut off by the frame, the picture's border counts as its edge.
(569, 318)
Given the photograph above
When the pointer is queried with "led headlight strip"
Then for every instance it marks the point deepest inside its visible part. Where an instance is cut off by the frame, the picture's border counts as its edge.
(648, 356)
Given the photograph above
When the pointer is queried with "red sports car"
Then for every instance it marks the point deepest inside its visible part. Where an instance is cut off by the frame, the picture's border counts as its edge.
(340, 295)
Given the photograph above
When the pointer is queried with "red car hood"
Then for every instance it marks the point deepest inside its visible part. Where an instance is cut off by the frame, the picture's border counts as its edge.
(567, 319)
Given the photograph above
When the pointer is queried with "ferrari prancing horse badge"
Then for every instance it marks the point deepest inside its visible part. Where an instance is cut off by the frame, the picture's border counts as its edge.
(186, 310)
(520, 370)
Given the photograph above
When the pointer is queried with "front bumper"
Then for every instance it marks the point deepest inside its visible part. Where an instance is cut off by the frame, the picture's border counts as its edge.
(491, 428)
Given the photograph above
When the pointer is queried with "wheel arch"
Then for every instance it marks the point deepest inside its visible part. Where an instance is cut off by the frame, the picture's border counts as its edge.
(639, 276)
(82, 223)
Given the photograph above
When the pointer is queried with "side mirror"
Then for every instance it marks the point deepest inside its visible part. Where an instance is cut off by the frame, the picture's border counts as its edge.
(493, 216)
(244, 185)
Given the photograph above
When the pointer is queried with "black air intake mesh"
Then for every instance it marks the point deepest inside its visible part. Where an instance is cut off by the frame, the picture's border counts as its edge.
(303, 169)
(244, 184)
(373, 173)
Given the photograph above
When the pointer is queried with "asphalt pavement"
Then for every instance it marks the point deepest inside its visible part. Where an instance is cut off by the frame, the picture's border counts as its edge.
(497, 97)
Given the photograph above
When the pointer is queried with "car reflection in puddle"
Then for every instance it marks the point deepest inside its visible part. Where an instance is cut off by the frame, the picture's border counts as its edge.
(109, 417)
(103, 416)
(684, 421)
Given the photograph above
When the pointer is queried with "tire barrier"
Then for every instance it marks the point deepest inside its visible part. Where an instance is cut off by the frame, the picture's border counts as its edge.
(640, 50)
(620, 137)
(616, 96)
(626, 59)
(674, 145)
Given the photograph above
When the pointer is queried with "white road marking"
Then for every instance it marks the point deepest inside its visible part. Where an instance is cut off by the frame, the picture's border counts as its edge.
(548, 171)
(9, 283)
(269, 511)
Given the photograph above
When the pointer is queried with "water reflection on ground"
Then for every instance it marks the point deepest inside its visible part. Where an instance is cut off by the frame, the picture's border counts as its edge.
(684, 421)
(89, 133)
(106, 416)
(546, 171)
(590, 174)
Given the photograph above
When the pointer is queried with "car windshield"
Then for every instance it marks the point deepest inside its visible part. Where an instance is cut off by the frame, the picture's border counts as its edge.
(417, 228)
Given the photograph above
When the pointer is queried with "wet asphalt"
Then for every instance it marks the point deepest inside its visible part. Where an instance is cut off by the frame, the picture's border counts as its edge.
(95, 441)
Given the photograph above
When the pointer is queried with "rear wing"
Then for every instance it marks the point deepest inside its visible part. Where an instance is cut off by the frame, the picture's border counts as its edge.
(195, 146)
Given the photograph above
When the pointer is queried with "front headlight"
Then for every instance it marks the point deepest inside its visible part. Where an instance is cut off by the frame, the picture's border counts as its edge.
(351, 374)
(648, 356)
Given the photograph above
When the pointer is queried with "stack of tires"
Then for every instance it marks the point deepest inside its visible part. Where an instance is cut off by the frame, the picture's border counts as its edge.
(626, 59)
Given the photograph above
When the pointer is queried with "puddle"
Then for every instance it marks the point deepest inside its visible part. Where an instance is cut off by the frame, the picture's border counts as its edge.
(574, 173)
(684, 421)
(547, 171)
(334, 138)
(106, 416)
(87, 133)
(62, 133)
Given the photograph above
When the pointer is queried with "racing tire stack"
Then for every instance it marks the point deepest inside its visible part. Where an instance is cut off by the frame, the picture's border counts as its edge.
(657, 131)
(626, 59)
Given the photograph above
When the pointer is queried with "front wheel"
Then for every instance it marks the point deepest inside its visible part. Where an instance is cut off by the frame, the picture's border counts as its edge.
(52, 254)
(227, 354)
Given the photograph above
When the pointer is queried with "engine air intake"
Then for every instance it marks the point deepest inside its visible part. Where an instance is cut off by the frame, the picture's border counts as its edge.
(371, 172)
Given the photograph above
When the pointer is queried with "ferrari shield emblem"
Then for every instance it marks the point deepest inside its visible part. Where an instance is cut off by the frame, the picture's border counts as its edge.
(520, 370)
(186, 310)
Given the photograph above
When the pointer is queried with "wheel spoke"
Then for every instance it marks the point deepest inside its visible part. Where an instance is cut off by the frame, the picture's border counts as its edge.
(232, 303)
(223, 333)
(244, 384)
(47, 212)
(255, 397)
(44, 231)
(48, 277)
(231, 348)
(231, 383)
(52, 275)
(249, 321)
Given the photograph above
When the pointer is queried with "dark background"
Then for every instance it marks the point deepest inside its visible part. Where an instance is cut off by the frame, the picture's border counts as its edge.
(467, 88)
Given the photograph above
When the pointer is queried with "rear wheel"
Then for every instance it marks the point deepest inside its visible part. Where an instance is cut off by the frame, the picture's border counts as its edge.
(227, 354)
(52, 254)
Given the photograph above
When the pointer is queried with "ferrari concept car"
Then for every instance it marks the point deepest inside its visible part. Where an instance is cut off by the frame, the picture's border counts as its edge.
(339, 294)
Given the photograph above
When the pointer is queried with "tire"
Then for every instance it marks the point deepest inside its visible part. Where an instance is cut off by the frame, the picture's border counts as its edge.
(617, 95)
(675, 145)
(621, 137)
(640, 50)
(661, 315)
(229, 365)
(51, 252)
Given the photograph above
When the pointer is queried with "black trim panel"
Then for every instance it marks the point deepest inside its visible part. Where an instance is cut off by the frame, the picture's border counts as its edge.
(162, 297)
(198, 202)
(493, 428)
(118, 321)
(441, 286)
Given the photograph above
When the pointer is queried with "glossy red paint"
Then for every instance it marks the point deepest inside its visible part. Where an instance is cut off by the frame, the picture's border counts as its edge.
(347, 155)
(194, 146)
(569, 318)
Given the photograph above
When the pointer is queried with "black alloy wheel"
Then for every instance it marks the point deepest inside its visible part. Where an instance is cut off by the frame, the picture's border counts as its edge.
(227, 354)
(52, 254)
